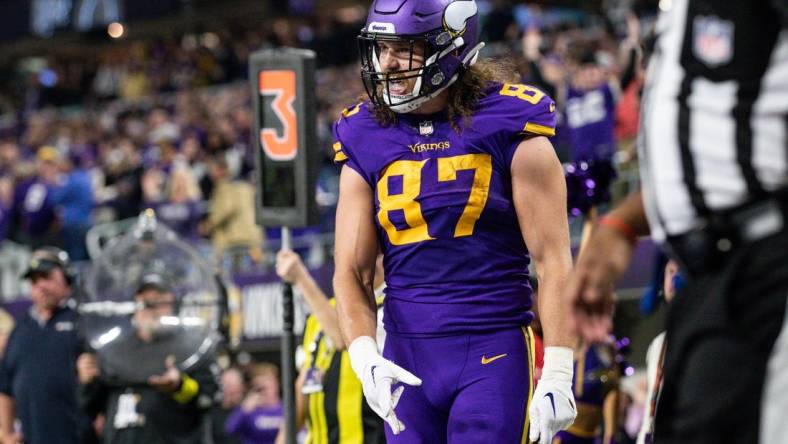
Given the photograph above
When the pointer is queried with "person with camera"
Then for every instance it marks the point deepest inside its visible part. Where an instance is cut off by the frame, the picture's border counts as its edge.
(168, 407)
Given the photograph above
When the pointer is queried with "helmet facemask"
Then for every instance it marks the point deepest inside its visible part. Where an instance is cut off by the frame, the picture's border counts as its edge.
(378, 83)
(439, 49)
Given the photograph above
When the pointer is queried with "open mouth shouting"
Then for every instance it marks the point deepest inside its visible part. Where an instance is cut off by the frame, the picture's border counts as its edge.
(398, 86)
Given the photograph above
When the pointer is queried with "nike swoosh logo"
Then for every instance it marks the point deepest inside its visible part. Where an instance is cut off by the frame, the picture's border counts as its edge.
(486, 361)
(372, 370)
(552, 403)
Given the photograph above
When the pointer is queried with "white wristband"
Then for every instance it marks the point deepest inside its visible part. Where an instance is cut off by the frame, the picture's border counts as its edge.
(362, 350)
(558, 364)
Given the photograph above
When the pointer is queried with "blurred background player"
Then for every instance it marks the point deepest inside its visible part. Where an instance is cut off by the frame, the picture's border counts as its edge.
(259, 417)
(329, 395)
(37, 378)
(168, 408)
(462, 179)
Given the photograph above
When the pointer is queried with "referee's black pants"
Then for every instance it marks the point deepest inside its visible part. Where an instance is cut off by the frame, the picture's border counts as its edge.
(721, 362)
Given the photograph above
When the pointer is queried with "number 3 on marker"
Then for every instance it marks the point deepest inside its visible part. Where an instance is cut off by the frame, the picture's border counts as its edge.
(282, 85)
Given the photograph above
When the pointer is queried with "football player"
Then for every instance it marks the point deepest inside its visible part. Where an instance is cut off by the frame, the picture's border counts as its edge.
(448, 170)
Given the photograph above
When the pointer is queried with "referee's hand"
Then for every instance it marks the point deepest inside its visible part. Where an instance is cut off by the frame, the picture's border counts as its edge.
(590, 289)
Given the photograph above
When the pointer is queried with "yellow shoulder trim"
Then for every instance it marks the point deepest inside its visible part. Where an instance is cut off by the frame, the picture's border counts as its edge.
(541, 130)
(347, 112)
(339, 156)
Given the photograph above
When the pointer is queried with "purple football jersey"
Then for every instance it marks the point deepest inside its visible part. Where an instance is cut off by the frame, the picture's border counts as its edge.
(454, 254)
(590, 118)
(33, 202)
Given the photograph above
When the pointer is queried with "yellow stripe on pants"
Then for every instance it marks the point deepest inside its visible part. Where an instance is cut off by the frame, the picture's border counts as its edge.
(529, 345)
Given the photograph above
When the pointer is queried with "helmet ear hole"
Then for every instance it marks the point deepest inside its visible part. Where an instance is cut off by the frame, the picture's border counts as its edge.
(443, 39)
(437, 78)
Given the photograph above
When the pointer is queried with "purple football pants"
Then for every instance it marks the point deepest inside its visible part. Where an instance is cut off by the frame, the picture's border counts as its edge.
(475, 387)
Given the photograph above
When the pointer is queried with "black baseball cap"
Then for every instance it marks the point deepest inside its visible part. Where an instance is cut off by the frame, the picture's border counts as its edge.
(153, 281)
(45, 260)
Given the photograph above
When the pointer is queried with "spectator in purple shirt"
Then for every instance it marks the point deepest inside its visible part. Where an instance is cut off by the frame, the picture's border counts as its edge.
(182, 209)
(33, 202)
(259, 417)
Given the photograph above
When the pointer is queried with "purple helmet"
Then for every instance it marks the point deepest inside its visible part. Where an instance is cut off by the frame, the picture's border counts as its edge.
(446, 30)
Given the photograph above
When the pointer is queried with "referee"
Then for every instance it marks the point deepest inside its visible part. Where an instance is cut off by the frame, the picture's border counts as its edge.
(329, 395)
(713, 158)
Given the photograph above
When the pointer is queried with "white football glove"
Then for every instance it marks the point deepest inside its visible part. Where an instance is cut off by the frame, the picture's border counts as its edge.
(553, 403)
(377, 375)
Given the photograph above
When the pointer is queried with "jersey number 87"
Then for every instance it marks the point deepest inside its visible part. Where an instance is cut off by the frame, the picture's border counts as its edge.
(410, 171)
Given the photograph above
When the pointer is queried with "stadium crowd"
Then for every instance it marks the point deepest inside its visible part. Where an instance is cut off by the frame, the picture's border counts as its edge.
(167, 122)
(155, 115)
(151, 115)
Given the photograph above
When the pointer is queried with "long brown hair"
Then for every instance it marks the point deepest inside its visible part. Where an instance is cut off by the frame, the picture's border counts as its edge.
(465, 93)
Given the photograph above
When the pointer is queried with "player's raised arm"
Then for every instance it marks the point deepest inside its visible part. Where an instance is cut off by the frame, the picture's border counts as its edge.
(539, 193)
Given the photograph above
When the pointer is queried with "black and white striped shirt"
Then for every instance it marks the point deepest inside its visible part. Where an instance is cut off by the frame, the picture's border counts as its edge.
(715, 110)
